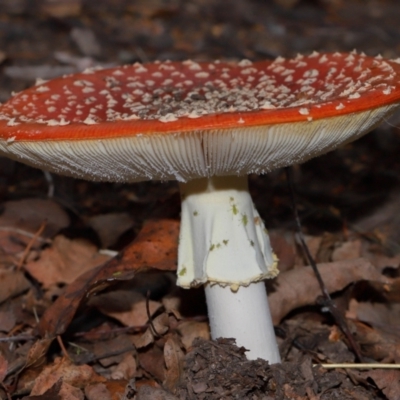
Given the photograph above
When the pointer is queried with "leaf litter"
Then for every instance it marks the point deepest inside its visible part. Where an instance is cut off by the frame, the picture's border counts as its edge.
(77, 322)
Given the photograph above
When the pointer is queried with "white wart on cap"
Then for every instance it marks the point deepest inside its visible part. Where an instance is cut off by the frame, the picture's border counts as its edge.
(190, 120)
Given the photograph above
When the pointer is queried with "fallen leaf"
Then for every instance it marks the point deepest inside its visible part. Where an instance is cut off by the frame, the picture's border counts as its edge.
(126, 369)
(151, 359)
(62, 369)
(29, 214)
(117, 346)
(51, 394)
(191, 330)
(375, 313)
(158, 327)
(98, 391)
(37, 353)
(109, 227)
(151, 393)
(299, 287)
(13, 282)
(174, 359)
(69, 392)
(376, 342)
(154, 247)
(349, 250)
(128, 307)
(387, 381)
(117, 389)
(7, 320)
(65, 261)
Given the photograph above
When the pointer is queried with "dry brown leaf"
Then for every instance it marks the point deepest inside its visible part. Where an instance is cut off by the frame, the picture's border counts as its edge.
(109, 227)
(387, 381)
(126, 306)
(13, 282)
(171, 305)
(76, 375)
(65, 260)
(380, 314)
(299, 287)
(154, 247)
(151, 393)
(191, 330)
(151, 359)
(51, 394)
(126, 369)
(160, 325)
(118, 346)
(37, 353)
(347, 251)
(29, 214)
(7, 320)
(68, 392)
(174, 359)
(118, 389)
(97, 391)
(377, 343)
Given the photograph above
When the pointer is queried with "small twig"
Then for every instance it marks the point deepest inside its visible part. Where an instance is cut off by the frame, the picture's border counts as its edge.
(18, 338)
(90, 357)
(30, 244)
(155, 333)
(359, 366)
(25, 233)
(327, 300)
(63, 349)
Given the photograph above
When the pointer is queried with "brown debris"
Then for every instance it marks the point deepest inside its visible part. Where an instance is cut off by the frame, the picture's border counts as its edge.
(154, 247)
(215, 370)
(63, 369)
(299, 287)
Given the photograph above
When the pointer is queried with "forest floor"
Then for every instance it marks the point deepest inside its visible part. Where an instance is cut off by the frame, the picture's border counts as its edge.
(141, 337)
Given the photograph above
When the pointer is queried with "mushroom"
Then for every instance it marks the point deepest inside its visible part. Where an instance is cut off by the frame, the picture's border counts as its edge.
(206, 125)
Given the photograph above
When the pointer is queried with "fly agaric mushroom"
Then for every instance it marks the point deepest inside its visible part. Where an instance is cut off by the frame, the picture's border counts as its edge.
(206, 125)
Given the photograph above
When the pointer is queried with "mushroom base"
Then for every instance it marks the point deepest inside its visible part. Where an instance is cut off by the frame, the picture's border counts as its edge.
(245, 316)
(223, 239)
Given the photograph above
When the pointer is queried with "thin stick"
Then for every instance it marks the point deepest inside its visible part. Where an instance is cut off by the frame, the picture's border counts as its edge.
(63, 349)
(25, 233)
(327, 300)
(19, 338)
(359, 366)
(155, 333)
(30, 244)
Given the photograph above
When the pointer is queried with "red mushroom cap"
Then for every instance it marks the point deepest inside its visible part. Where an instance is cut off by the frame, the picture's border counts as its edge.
(161, 99)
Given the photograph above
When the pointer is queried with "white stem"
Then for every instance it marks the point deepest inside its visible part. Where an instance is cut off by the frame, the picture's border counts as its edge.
(245, 316)
(223, 243)
(222, 238)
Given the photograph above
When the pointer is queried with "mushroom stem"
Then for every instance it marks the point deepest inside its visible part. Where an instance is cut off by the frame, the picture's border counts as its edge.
(223, 242)
(244, 315)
